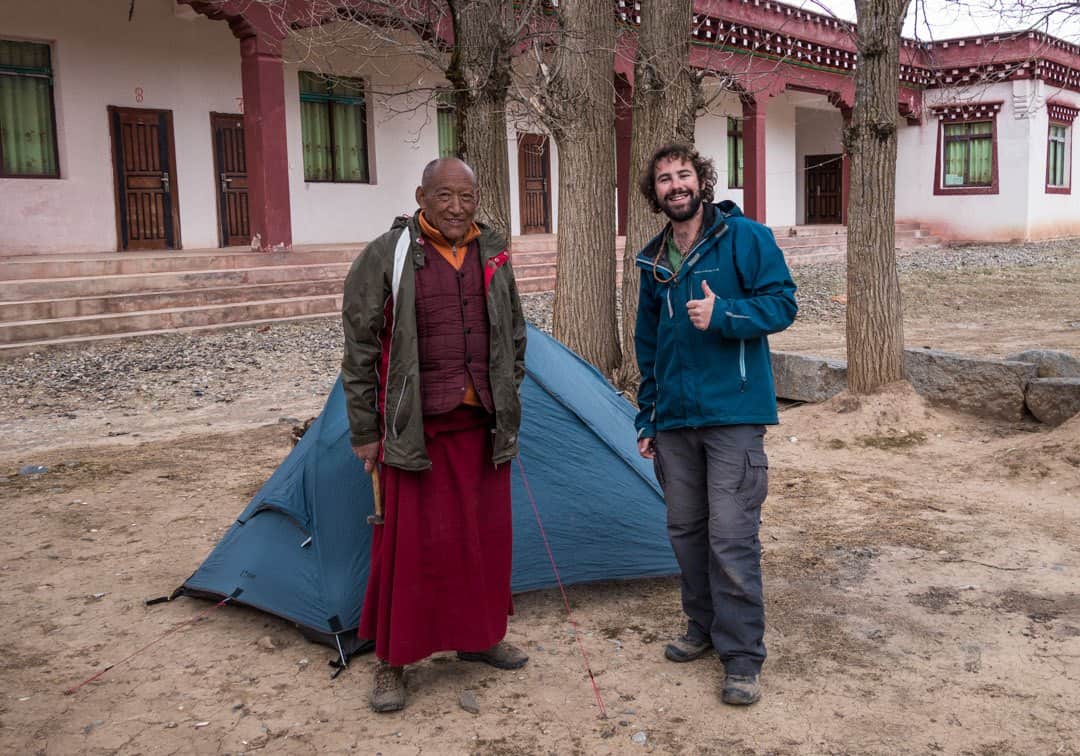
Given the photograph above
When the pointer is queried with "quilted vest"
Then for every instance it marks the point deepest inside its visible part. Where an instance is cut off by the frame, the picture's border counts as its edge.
(452, 331)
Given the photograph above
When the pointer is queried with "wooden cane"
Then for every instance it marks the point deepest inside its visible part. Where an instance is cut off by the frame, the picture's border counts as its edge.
(377, 518)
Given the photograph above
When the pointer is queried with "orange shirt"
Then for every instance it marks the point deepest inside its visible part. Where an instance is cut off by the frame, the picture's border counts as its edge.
(455, 255)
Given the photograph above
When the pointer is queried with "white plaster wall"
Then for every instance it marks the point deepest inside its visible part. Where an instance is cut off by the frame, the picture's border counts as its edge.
(1052, 215)
(99, 59)
(710, 137)
(780, 162)
(1001, 216)
(817, 132)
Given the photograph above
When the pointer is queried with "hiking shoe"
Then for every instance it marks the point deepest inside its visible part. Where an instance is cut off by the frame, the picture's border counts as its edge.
(686, 649)
(502, 656)
(388, 693)
(741, 690)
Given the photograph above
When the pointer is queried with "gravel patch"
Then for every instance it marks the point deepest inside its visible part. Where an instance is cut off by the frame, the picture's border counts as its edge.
(195, 370)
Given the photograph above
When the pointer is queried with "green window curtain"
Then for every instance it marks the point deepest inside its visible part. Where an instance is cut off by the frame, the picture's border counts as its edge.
(1056, 175)
(350, 143)
(981, 155)
(446, 122)
(27, 137)
(334, 128)
(735, 153)
(955, 154)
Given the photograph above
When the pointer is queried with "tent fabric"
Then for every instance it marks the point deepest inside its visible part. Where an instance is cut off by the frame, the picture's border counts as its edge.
(300, 549)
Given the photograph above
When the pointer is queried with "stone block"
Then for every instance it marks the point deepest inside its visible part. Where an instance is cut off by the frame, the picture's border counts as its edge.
(804, 378)
(984, 387)
(1053, 400)
(1050, 363)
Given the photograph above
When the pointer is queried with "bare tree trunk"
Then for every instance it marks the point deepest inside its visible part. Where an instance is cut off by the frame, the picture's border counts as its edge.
(479, 71)
(667, 94)
(579, 106)
(875, 327)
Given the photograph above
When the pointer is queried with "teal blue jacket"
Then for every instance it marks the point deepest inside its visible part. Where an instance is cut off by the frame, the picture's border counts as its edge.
(692, 378)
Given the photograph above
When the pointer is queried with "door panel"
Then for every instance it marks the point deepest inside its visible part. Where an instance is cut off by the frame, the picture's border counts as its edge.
(824, 177)
(146, 197)
(534, 170)
(230, 168)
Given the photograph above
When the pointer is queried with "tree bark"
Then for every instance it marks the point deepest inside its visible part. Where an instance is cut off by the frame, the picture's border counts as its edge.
(667, 95)
(479, 72)
(579, 111)
(875, 328)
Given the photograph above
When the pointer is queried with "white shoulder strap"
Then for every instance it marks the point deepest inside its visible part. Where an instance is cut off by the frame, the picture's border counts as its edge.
(400, 252)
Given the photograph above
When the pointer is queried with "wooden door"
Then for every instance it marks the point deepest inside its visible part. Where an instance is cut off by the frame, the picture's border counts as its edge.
(230, 170)
(147, 205)
(534, 185)
(824, 176)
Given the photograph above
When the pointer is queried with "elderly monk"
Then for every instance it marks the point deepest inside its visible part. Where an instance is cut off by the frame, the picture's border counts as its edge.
(434, 358)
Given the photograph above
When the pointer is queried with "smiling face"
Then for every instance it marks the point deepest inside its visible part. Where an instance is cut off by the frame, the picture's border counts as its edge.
(448, 197)
(678, 191)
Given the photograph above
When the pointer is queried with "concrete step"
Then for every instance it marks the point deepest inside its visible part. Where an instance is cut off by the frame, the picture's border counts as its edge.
(27, 347)
(171, 318)
(97, 286)
(52, 309)
(61, 266)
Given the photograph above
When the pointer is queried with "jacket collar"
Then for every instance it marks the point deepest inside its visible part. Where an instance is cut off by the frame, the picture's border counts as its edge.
(490, 243)
(713, 222)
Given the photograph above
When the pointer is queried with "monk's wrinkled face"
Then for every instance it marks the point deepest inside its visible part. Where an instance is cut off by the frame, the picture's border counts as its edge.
(448, 198)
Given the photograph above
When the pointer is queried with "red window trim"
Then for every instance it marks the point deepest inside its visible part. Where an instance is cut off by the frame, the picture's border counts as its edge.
(1067, 189)
(966, 114)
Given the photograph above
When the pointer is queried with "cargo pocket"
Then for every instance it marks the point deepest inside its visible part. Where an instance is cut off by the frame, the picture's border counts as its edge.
(755, 485)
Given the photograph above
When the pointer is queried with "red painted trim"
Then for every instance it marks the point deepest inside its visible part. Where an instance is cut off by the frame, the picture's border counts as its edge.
(966, 190)
(754, 159)
(1067, 189)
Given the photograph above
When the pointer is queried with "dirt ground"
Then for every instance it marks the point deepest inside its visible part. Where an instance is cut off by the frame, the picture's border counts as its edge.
(922, 584)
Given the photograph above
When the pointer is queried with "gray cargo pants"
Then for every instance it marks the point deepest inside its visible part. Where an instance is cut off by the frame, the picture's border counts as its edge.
(715, 481)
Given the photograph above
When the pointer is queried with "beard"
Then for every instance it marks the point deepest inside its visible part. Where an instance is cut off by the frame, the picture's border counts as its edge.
(681, 215)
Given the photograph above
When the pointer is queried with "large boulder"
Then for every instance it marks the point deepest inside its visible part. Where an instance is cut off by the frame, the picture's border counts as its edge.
(990, 388)
(807, 379)
(1050, 363)
(1053, 400)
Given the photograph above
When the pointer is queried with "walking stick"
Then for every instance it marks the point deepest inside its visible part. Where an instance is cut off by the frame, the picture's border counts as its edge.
(377, 518)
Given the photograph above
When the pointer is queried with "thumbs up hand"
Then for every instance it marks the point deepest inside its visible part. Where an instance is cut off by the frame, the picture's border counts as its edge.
(700, 310)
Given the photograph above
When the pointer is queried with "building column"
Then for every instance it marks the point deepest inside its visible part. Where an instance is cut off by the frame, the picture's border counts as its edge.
(754, 158)
(263, 78)
(845, 175)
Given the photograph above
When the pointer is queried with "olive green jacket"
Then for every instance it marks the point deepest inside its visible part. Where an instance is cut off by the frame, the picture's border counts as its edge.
(381, 367)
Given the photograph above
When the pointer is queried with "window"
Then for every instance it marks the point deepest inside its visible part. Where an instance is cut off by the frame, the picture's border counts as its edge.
(969, 154)
(27, 122)
(1057, 156)
(447, 124)
(333, 124)
(735, 153)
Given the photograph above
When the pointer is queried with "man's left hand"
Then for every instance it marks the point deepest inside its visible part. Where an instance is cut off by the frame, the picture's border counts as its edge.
(700, 310)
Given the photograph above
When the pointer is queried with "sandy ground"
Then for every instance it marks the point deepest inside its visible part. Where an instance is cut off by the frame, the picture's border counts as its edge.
(922, 578)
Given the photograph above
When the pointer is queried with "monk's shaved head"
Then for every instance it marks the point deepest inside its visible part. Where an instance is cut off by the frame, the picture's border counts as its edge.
(435, 167)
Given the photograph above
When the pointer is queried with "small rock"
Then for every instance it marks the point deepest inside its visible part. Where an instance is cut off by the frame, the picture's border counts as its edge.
(639, 737)
(98, 596)
(469, 703)
(33, 470)
(200, 725)
(266, 643)
(238, 706)
(170, 725)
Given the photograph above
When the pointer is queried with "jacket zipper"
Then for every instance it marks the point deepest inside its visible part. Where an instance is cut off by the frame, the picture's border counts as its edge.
(742, 365)
(397, 409)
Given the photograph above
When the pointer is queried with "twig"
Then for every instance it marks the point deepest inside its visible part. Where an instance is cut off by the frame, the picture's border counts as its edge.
(987, 564)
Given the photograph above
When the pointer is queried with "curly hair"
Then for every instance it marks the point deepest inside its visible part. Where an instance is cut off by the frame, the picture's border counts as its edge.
(706, 172)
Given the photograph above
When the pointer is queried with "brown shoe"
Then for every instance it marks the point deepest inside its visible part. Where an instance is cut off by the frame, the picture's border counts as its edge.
(388, 693)
(741, 690)
(502, 655)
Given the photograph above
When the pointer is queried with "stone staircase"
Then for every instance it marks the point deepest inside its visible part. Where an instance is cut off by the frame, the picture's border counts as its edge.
(74, 299)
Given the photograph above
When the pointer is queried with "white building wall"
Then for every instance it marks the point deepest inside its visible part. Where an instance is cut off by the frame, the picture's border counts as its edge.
(100, 59)
(710, 137)
(780, 162)
(993, 217)
(1051, 215)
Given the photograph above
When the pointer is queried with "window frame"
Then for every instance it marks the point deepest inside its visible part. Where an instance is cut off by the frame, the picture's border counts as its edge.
(952, 115)
(1066, 144)
(48, 75)
(445, 105)
(329, 99)
(735, 131)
